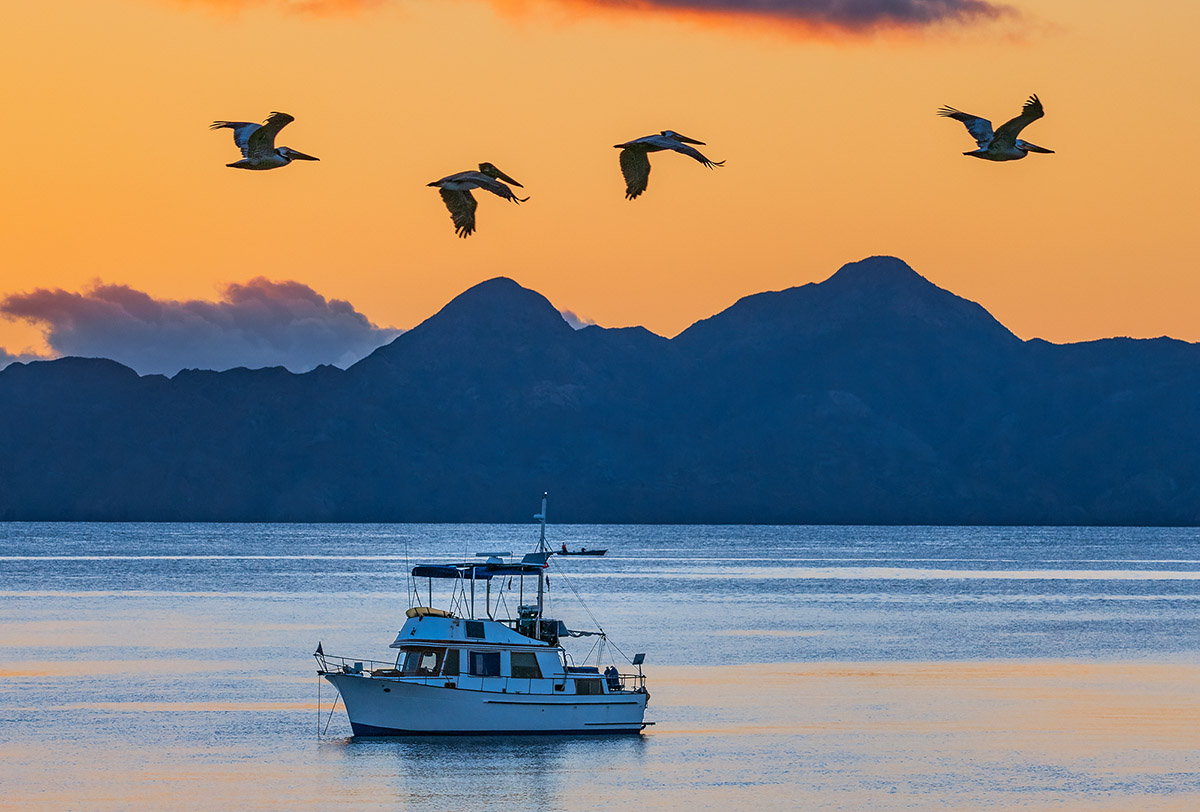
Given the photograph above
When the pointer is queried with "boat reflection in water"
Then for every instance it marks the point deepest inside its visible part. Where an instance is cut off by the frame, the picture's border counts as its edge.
(478, 674)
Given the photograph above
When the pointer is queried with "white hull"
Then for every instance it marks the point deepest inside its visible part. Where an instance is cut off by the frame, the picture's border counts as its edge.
(394, 707)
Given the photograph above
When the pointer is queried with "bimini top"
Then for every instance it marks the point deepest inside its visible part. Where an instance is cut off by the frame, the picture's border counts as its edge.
(531, 564)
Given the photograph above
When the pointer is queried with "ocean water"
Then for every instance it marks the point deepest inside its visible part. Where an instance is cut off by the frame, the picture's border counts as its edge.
(168, 666)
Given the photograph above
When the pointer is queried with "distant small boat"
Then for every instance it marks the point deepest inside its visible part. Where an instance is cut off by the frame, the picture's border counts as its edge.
(583, 551)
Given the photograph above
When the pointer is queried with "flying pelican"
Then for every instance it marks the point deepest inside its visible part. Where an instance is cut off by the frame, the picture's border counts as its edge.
(257, 143)
(1003, 145)
(456, 192)
(635, 160)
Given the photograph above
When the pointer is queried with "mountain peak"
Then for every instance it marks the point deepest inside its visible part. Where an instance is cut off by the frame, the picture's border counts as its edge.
(877, 296)
(497, 305)
(881, 287)
(875, 272)
(497, 315)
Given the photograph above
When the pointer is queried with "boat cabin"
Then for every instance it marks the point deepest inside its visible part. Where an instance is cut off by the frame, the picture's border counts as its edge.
(451, 652)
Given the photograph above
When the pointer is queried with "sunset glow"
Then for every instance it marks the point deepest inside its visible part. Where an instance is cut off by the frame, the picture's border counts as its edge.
(828, 127)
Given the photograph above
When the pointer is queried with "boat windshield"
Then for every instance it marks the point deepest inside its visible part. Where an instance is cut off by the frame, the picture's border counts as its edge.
(422, 662)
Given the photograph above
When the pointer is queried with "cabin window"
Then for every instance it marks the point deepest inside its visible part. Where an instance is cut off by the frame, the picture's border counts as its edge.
(422, 662)
(450, 666)
(475, 629)
(588, 686)
(484, 663)
(525, 665)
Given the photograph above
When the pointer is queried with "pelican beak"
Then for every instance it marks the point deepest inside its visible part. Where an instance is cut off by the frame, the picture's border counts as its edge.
(1036, 148)
(506, 178)
(300, 156)
(687, 140)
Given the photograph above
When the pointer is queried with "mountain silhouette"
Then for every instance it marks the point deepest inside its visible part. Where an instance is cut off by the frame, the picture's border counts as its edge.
(871, 397)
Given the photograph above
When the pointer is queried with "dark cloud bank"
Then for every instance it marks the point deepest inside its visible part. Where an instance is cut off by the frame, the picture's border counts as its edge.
(847, 15)
(257, 324)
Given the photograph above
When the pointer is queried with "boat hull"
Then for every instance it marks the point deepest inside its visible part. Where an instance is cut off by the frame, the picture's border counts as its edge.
(387, 707)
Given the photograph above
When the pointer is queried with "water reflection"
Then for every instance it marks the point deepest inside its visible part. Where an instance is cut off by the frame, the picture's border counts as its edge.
(440, 773)
(157, 667)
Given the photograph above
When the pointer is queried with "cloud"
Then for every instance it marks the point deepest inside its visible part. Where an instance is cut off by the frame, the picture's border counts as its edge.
(577, 322)
(256, 324)
(313, 7)
(847, 15)
(857, 16)
(7, 357)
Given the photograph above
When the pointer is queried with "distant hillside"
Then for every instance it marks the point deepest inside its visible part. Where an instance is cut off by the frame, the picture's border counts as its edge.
(871, 397)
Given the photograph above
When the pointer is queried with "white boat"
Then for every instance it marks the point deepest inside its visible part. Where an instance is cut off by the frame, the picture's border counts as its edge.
(467, 674)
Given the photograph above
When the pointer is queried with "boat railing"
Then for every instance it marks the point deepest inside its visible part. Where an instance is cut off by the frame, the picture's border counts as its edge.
(330, 664)
(627, 683)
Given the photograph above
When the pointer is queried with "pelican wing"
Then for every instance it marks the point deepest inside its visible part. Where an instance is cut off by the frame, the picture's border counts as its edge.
(495, 187)
(654, 140)
(635, 166)
(462, 210)
(262, 140)
(241, 132)
(1006, 135)
(979, 128)
(692, 152)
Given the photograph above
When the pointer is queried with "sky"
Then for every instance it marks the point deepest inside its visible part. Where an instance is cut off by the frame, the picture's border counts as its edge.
(116, 196)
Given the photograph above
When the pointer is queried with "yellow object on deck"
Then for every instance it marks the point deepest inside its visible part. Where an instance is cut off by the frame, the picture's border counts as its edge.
(427, 611)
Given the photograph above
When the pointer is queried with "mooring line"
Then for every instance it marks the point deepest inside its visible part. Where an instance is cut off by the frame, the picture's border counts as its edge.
(331, 711)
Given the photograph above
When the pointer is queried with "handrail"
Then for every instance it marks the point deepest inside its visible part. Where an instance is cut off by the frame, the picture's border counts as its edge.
(332, 664)
(350, 665)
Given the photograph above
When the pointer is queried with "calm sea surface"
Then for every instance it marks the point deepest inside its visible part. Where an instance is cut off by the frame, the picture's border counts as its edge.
(168, 666)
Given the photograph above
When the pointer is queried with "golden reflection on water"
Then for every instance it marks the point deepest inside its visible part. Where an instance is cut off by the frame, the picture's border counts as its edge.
(86, 668)
(1041, 705)
(883, 736)
(182, 707)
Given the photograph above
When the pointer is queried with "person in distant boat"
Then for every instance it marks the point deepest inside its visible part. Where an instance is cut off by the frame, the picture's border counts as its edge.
(613, 677)
(564, 547)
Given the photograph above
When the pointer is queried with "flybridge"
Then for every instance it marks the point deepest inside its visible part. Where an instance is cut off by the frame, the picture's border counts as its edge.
(529, 620)
(468, 573)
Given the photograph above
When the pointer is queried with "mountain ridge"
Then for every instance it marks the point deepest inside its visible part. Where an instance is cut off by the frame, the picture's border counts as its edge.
(871, 397)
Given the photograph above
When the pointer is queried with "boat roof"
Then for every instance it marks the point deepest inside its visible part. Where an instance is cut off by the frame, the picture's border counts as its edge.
(531, 564)
(449, 630)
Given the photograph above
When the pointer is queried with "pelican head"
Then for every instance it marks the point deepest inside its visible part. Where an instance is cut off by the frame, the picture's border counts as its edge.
(683, 138)
(491, 171)
(295, 155)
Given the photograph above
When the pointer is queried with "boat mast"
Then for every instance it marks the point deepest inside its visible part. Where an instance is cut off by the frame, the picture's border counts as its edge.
(541, 549)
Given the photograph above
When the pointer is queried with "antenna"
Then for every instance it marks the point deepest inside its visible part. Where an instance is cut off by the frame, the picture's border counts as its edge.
(542, 518)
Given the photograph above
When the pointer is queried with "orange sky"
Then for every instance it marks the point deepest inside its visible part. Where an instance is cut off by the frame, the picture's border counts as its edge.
(833, 153)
